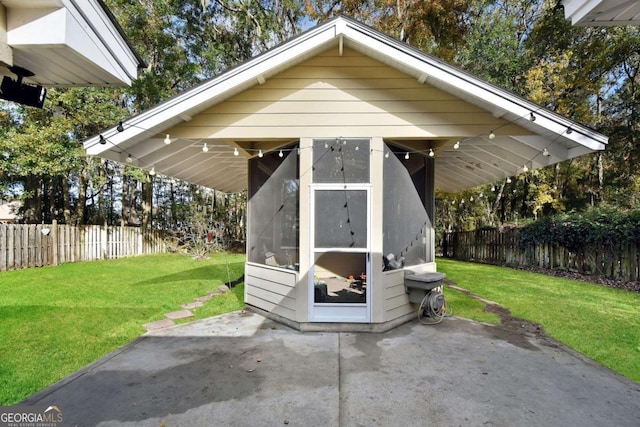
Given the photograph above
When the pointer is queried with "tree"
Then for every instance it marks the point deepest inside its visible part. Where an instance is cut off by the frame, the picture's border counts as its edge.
(435, 26)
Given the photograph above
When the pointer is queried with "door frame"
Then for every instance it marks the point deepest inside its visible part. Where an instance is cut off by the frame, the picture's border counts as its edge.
(339, 312)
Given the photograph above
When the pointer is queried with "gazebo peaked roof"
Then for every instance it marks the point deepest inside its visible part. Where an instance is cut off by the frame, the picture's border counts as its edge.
(524, 132)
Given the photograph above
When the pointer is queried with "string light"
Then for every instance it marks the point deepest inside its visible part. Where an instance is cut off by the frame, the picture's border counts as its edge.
(525, 169)
(508, 180)
(102, 140)
(280, 154)
(386, 155)
(569, 131)
(406, 156)
(120, 127)
(546, 153)
(492, 135)
(235, 151)
(205, 147)
(260, 154)
(167, 140)
(456, 145)
(298, 151)
(532, 117)
(129, 158)
(431, 153)
(152, 172)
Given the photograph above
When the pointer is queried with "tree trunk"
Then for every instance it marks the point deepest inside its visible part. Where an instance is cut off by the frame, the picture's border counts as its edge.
(32, 208)
(147, 203)
(66, 201)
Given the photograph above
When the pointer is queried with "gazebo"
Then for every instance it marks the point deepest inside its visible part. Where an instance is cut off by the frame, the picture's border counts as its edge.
(341, 136)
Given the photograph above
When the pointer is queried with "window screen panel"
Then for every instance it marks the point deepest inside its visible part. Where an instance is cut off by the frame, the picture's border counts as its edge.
(406, 225)
(273, 234)
(341, 161)
(340, 218)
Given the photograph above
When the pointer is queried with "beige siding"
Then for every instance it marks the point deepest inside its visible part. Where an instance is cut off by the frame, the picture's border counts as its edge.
(350, 95)
(271, 289)
(396, 302)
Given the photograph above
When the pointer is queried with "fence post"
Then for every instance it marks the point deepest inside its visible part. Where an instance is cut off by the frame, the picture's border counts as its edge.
(54, 242)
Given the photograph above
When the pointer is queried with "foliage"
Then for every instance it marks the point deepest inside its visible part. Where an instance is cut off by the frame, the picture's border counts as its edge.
(435, 26)
(601, 323)
(56, 320)
(579, 230)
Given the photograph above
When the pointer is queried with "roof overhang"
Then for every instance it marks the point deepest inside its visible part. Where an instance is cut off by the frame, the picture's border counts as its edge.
(65, 43)
(602, 12)
(547, 137)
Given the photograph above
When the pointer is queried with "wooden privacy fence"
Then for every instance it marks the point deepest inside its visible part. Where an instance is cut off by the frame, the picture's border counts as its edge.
(615, 260)
(36, 245)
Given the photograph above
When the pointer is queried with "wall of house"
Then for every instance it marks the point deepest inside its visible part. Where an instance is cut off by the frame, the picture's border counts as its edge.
(331, 95)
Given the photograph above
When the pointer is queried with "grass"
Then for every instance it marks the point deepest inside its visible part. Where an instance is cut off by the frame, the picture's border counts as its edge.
(56, 320)
(601, 323)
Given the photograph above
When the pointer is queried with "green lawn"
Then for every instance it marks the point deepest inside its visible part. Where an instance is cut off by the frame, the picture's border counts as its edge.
(601, 323)
(55, 320)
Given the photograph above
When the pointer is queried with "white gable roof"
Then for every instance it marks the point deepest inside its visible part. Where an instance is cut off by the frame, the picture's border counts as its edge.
(66, 43)
(483, 160)
(602, 12)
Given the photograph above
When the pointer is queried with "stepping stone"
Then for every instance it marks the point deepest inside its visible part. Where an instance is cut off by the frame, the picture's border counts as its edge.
(158, 324)
(180, 314)
(223, 288)
(203, 299)
(191, 305)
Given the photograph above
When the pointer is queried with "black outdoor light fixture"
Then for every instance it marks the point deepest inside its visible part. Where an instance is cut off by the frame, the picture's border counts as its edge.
(22, 93)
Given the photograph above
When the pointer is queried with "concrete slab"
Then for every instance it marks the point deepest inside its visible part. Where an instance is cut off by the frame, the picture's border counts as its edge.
(159, 324)
(180, 314)
(191, 305)
(241, 369)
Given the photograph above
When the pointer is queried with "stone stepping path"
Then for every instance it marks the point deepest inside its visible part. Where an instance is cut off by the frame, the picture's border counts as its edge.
(185, 313)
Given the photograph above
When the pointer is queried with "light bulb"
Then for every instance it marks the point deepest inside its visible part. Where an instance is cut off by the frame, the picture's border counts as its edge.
(280, 154)
(456, 145)
(508, 180)
(406, 156)
(431, 153)
(492, 135)
(546, 153)
(532, 117)
(386, 155)
(129, 158)
(236, 152)
(167, 139)
(152, 172)
(525, 169)
(260, 154)
(205, 147)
